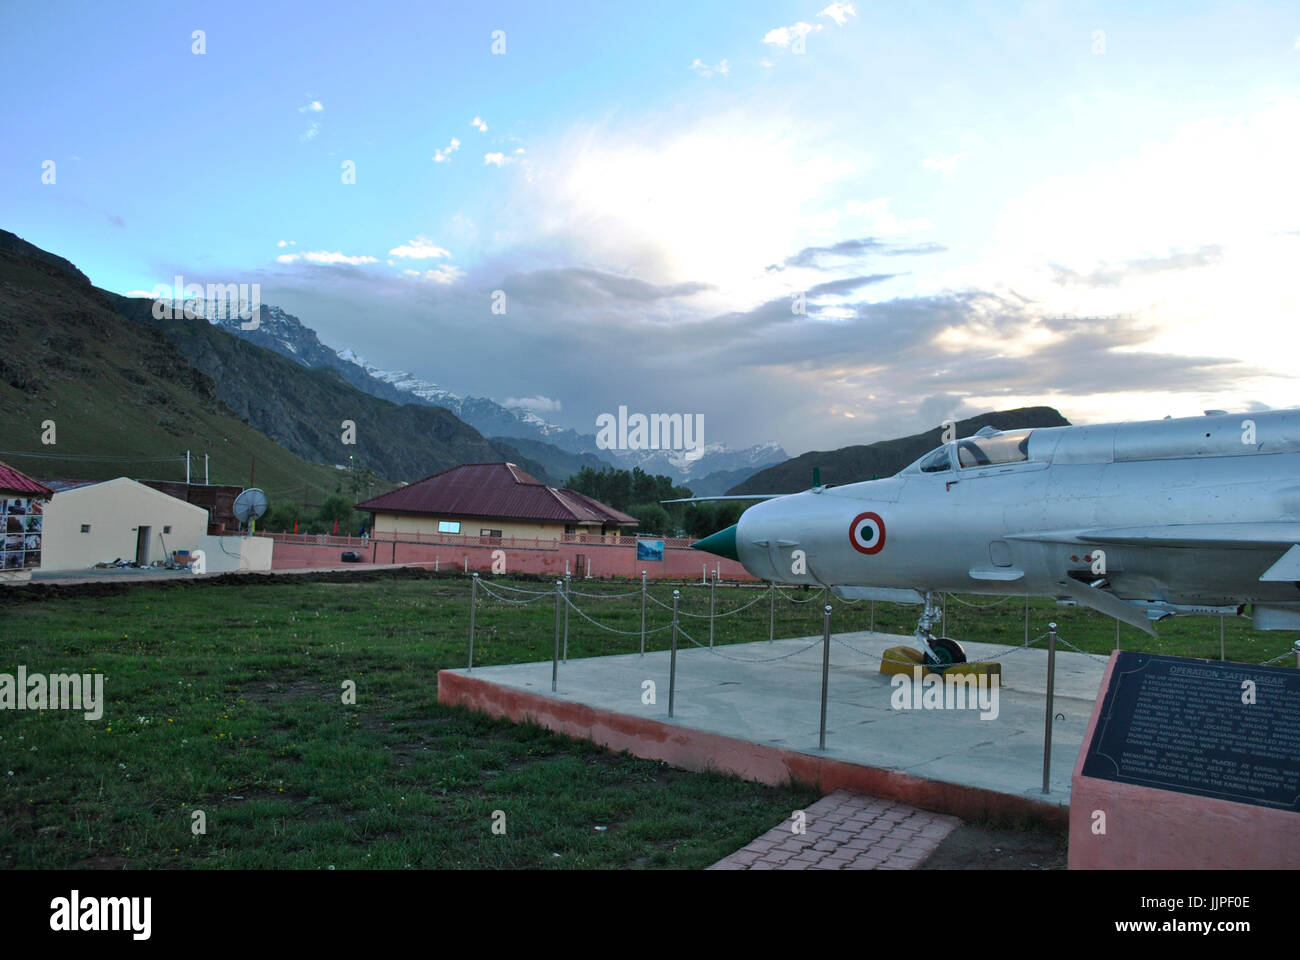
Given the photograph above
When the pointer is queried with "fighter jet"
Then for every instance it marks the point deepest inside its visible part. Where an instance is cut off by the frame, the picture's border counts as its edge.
(1139, 520)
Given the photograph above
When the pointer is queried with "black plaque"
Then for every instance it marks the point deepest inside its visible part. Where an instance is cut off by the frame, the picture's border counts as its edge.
(1180, 724)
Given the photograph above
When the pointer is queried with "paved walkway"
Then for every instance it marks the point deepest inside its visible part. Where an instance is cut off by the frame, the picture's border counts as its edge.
(847, 831)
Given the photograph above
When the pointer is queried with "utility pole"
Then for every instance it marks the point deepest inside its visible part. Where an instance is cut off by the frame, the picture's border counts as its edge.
(205, 470)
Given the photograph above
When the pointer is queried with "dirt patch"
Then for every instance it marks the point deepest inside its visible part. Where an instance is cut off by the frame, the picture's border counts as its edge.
(282, 690)
(975, 846)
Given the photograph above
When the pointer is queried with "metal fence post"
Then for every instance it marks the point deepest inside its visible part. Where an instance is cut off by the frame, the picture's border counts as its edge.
(1297, 654)
(643, 613)
(872, 628)
(1051, 684)
(555, 657)
(473, 598)
(672, 663)
(1026, 619)
(771, 614)
(944, 614)
(826, 667)
(711, 586)
(1221, 642)
(566, 618)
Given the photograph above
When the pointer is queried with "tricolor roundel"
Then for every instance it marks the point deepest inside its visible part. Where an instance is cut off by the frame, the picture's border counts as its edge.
(867, 533)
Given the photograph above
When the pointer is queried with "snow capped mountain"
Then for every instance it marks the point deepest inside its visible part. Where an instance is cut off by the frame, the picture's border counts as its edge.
(288, 336)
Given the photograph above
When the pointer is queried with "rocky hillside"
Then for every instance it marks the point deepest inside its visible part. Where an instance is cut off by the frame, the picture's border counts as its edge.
(886, 457)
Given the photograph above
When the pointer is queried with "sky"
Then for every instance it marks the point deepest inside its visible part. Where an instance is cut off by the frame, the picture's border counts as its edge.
(813, 224)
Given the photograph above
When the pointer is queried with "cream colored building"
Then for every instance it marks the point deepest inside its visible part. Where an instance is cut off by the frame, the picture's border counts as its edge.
(490, 500)
(116, 519)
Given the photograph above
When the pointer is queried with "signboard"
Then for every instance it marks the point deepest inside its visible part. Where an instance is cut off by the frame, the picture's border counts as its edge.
(20, 519)
(649, 549)
(1202, 727)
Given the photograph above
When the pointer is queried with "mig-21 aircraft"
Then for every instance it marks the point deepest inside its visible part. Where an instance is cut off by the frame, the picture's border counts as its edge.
(1140, 520)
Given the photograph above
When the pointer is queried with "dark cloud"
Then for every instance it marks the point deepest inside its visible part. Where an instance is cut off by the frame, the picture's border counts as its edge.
(1111, 275)
(594, 340)
(851, 250)
(583, 287)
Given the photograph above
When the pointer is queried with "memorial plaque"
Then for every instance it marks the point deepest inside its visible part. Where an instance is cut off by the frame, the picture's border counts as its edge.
(1214, 729)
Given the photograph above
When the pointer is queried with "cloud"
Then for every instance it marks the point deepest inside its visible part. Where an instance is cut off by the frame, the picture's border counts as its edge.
(287, 243)
(784, 36)
(478, 124)
(814, 257)
(839, 12)
(419, 249)
(704, 70)
(533, 404)
(325, 257)
(139, 293)
(497, 159)
(444, 155)
(1108, 275)
(946, 164)
(576, 286)
(310, 133)
(443, 273)
(313, 107)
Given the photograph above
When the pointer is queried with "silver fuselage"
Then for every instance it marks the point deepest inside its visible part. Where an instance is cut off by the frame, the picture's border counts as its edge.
(1184, 511)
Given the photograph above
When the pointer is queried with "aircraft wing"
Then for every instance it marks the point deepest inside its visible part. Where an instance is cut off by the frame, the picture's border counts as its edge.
(1246, 536)
(1240, 536)
(747, 496)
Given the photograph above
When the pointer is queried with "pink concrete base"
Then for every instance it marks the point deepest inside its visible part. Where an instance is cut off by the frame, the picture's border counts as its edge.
(700, 750)
(1152, 829)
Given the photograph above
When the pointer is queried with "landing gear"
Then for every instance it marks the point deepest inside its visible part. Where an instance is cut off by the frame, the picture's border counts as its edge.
(939, 651)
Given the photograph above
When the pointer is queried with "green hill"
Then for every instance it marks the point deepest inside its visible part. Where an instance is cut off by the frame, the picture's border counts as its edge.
(886, 457)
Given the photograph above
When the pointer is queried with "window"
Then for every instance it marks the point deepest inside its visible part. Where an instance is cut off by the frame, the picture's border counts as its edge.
(167, 529)
(85, 528)
(937, 461)
(990, 451)
(449, 526)
(489, 533)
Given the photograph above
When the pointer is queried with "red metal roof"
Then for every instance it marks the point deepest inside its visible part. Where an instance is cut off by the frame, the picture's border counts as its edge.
(497, 490)
(15, 482)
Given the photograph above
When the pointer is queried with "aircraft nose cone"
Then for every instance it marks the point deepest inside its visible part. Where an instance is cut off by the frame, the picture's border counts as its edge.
(720, 544)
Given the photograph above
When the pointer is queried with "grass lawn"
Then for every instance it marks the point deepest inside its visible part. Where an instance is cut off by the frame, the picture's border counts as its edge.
(227, 699)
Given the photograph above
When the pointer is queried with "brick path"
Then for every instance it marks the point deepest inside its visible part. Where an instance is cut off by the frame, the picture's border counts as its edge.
(847, 831)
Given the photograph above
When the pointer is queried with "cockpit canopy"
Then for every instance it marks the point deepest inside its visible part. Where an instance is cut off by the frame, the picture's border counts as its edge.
(977, 451)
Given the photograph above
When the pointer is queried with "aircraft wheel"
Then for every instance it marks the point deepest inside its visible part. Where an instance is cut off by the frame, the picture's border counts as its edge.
(947, 651)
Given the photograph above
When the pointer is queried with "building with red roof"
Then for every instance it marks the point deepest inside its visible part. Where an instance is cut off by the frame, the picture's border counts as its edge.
(491, 500)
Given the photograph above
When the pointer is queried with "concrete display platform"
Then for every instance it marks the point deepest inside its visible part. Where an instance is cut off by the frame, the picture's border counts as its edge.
(760, 719)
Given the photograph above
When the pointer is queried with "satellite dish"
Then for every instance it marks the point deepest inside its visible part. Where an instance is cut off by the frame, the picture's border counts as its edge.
(250, 505)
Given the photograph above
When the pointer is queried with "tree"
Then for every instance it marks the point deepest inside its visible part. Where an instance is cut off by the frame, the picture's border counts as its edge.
(653, 518)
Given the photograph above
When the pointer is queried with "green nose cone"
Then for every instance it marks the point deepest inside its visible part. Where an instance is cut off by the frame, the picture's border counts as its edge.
(720, 544)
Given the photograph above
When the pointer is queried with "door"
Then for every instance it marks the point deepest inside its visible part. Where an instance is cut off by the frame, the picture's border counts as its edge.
(142, 546)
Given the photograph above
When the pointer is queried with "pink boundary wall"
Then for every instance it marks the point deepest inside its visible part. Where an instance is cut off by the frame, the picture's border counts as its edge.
(607, 560)
(700, 750)
(1151, 829)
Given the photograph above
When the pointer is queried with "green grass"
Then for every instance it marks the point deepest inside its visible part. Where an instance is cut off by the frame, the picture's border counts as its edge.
(227, 699)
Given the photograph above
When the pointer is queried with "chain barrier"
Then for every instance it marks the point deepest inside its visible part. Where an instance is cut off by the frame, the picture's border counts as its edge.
(820, 593)
(630, 633)
(506, 586)
(705, 616)
(909, 663)
(1084, 652)
(1289, 653)
(712, 650)
(981, 606)
(488, 590)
